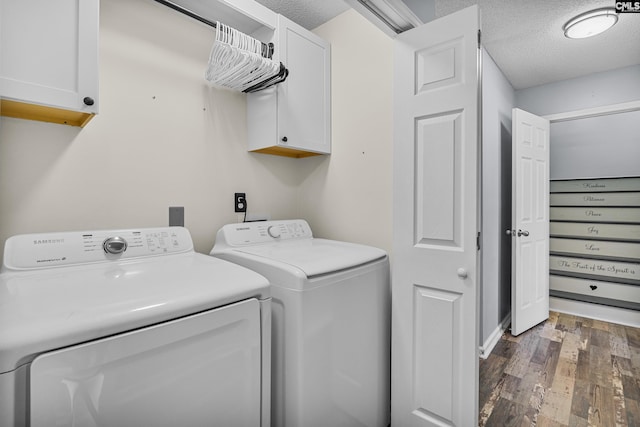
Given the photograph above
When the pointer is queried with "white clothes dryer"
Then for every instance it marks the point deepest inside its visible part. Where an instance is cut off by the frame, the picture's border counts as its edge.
(130, 328)
(331, 322)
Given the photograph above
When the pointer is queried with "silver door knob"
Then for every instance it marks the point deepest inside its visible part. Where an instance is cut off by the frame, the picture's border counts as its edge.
(510, 232)
(462, 273)
(524, 233)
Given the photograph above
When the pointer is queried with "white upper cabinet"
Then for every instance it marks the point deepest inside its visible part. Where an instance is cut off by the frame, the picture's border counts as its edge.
(49, 63)
(293, 118)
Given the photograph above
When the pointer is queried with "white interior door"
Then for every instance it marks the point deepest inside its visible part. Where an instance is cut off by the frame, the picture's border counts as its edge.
(436, 185)
(530, 221)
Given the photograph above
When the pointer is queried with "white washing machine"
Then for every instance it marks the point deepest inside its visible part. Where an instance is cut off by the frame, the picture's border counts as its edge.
(130, 328)
(331, 322)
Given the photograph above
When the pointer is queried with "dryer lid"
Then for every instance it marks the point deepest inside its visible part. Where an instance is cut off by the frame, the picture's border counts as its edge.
(316, 256)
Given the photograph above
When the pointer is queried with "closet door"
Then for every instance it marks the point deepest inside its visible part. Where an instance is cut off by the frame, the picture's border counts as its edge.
(530, 221)
(435, 224)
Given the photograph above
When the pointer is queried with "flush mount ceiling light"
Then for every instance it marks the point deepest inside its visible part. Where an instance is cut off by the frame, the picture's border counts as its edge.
(590, 23)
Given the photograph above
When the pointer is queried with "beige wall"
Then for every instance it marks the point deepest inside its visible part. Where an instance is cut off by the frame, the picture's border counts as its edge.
(163, 138)
(347, 196)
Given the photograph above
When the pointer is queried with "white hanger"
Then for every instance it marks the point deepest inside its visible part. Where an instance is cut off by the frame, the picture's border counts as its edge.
(236, 60)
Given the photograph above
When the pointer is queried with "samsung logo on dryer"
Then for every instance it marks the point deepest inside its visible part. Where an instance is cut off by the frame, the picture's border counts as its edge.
(48, 241)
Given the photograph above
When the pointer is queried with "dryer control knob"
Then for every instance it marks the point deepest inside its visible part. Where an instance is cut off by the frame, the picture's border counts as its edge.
(114, 245)
(273, 231)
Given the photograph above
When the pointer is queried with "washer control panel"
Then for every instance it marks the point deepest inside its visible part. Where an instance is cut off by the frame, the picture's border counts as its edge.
(32, 251)
(251, 233)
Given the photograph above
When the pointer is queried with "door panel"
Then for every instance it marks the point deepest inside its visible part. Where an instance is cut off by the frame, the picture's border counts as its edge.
(438, 160)
(436, 182)
(530, 225)
(188, 371)
(434, 388)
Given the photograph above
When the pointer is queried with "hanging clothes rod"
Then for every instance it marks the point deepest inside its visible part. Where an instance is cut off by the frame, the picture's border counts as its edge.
(267, 49)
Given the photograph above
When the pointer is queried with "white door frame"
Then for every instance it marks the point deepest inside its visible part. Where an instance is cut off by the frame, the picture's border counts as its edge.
(561, 305)
(582, 114)
(605, 110)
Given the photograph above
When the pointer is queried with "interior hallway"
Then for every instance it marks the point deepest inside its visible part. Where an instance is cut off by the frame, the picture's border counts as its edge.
(567, 371)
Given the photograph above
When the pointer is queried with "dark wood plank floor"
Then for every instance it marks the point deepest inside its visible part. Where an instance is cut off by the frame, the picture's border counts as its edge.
(567, 371)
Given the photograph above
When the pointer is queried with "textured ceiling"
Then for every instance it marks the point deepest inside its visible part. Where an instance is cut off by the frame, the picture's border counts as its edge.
(308, 13)
(524, 37)
(526, 40)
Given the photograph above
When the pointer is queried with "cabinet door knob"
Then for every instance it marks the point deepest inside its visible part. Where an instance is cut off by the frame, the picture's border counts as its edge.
(88, 100)
(285, 139)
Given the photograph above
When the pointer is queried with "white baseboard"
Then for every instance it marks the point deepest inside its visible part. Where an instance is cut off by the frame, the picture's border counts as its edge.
(621, 316)
(490, 343)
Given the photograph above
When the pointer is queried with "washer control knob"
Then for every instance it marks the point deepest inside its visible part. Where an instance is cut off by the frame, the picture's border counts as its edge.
(114, 245)
(273, 231)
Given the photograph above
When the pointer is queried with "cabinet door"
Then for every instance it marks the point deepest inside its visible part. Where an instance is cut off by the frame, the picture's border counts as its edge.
(50, 53)
(304, 107)
(304, 101)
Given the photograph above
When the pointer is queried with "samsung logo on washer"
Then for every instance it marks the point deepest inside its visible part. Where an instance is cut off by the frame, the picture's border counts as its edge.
(64, 258)
(48, 241)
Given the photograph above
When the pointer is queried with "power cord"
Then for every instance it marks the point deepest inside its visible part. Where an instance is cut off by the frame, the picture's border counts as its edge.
(245, 210)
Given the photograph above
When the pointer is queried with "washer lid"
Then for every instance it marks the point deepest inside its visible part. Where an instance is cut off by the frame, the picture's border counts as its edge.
(316, 256)
(51, 308)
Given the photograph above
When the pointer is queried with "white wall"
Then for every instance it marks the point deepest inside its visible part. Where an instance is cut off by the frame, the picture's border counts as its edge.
(606, 146)
(162, 138)
(347, 196)
(593, 90)
(596, 147)
(498, 99)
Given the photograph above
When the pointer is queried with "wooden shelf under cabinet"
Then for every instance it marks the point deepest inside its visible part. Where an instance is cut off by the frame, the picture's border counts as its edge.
(286, 152)
(21, 110)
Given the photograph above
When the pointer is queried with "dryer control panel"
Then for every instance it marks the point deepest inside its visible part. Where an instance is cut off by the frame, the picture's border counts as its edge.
(252, 233)
(45, 250)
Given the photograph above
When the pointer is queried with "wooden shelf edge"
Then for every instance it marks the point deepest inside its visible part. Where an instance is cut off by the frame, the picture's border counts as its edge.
(41, 113)
(286, 152)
